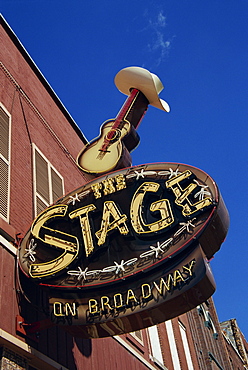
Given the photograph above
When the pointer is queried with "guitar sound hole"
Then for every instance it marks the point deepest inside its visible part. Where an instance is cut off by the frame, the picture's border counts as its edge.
(113, 135)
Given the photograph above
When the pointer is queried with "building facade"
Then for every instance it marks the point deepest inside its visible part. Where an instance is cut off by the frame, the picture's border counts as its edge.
(39, 144)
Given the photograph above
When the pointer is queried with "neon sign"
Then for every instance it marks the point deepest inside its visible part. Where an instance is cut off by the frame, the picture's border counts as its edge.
(131, 240)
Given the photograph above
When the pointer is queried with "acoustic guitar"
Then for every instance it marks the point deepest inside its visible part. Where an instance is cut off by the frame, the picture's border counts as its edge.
(111, 149)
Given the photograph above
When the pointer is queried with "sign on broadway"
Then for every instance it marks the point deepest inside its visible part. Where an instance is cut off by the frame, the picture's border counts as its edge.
(129, 249)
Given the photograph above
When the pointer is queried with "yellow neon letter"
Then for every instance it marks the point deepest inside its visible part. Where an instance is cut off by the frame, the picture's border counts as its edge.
(164, 285)
(105, 303)
(183, 194)
(96, 190)
(189, 269)
(146, 291)
(110, 210)
(120, 182)
(177, 277)
(93, 306)
(70, 309)
(108, 186)
(131, 296)
(57, 309)
(68, 243)
(163, 206)
(120, 304)
(82, 213)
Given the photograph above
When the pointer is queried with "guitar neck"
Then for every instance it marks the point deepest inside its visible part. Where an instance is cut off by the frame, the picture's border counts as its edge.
(133, 109)
(139, 108)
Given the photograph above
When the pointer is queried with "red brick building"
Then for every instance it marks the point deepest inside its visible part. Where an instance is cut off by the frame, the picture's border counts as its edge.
(39, 144)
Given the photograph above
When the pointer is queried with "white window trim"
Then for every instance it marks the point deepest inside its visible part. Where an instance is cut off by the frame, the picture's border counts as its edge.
(155, 345)
(173, 346)
(8, 163)
(50, 166)
(7, 245)
(186, 345)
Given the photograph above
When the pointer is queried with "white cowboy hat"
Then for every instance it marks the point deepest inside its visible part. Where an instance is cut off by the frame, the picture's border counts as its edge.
(148, 83)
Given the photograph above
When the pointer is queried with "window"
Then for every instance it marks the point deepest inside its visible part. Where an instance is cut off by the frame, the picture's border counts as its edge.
(48, 183)
(5, 123)
(138, 336)
(186, 346)
(208, 321)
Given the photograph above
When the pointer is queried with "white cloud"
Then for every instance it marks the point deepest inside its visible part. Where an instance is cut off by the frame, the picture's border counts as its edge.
(161, 19)
(160, 43)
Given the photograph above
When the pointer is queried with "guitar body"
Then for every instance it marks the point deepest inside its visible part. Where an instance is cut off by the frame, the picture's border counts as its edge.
(107, 152)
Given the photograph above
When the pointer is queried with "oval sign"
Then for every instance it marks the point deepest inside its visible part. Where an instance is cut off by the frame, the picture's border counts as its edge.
(125, 228)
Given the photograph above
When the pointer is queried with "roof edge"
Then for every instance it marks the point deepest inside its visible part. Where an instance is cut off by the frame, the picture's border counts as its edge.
(41, 77)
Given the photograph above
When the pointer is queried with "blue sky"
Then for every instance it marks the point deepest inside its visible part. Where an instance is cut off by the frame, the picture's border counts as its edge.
(199, 49)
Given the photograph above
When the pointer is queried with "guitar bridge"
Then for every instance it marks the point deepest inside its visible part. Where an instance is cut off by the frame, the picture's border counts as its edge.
(102, 154)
